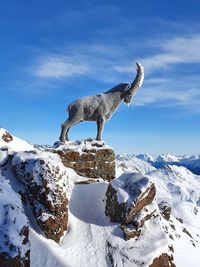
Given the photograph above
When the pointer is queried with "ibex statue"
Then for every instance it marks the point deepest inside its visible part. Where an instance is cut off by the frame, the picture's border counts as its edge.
(100, 107)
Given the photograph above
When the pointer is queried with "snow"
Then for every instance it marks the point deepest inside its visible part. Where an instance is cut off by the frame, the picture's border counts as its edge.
(42, 166)
(91, 239)
(81, 145)
(12, 220)
(91, 236)
(129, 186)
(186, 254)
(16, 144)
(130, 163)
(4, 152)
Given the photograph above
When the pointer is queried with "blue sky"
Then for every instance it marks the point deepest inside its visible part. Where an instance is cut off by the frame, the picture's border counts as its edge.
(53, 52)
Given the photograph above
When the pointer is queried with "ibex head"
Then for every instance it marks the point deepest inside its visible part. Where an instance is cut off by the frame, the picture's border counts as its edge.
(135, 85)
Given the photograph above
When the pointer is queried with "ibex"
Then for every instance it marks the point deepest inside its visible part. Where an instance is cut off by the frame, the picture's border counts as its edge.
(100, 107)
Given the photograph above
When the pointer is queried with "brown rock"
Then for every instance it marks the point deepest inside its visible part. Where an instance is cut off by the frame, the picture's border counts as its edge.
(165, 210)
(6, 261)
(164, 260)
(129, 231)
(105, 154)
(44, 177)
(7, 137)
(138, 191)
(139, 220)
(72, 155)
(116, 211)
(89, 158)
(143, 200)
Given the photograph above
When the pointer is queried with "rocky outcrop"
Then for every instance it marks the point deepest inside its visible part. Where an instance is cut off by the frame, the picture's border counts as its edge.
(45, 181)
(165, 210)
(89, 158)
(14, 228)
(131, 202)
(7, 137)
(127, 196)
(164, 260)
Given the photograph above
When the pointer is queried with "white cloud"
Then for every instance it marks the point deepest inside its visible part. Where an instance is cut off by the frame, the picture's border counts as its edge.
(95, 60)
(98, 61)
(175, 51)
(59, 67)
(168, 97)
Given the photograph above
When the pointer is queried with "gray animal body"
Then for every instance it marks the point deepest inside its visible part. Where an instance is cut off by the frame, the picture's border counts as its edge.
(99, 108)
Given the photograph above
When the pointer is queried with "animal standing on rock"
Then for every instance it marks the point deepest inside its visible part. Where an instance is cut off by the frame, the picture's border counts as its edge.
(100, 107)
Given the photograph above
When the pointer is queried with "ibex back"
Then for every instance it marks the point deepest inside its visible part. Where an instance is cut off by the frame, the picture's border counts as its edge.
(100, 107)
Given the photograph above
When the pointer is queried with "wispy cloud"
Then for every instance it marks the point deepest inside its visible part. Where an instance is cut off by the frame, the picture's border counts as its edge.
(174, 51)
(183, 93)
(94, 60)
(98, 61)
(106, 62)
(59, 67)
(168, 97)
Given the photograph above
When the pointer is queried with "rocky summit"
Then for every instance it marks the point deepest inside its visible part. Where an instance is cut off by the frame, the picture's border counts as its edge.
(89, 158)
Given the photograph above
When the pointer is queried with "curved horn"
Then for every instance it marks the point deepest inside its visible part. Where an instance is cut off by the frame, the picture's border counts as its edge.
(136, 84)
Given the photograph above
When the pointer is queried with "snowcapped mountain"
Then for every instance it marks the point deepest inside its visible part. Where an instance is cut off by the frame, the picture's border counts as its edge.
(125, 163)
(158, 160)
(143, 217)
(192, 162)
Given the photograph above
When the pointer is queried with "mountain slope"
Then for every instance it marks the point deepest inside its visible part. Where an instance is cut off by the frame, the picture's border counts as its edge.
(130, 163)
(93, 240)
(192, 162)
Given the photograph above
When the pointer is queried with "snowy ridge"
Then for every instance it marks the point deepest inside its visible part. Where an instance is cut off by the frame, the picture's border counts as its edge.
(192, 162)
(130, 163)
(181, 189)
(14, 143)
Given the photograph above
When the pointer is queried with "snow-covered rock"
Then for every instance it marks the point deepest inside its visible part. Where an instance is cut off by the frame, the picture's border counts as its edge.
(4, 153)
(165, 210)
(45, 181)
(89, 158)
(14, 228)
(130, 200)
(127, 195)
(14, 143)
(164, 260)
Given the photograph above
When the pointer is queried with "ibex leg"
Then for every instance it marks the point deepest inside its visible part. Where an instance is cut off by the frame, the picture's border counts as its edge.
(65, 129)
(100, 126)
